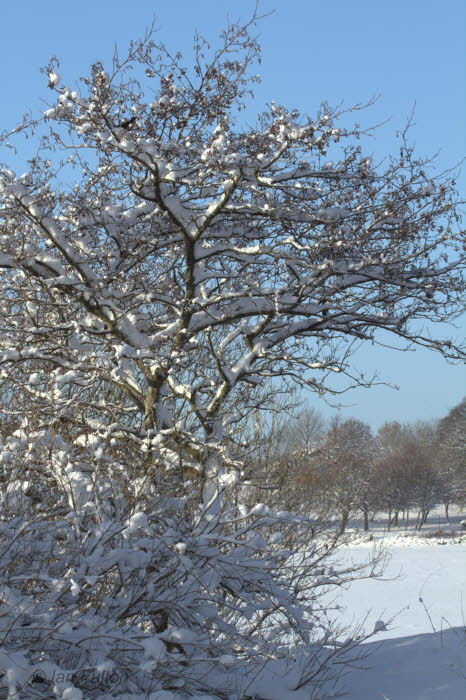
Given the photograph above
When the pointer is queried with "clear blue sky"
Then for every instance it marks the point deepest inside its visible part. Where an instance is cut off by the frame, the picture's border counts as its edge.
(406, 51)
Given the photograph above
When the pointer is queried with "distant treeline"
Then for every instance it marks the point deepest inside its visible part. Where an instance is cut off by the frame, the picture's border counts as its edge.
(341, 469)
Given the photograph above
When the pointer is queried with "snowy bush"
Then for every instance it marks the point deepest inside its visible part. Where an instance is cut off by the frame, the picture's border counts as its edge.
(144, 592)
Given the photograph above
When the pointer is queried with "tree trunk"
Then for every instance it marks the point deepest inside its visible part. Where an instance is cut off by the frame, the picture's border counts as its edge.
(424, 515)
(344, 519)
(366, 517)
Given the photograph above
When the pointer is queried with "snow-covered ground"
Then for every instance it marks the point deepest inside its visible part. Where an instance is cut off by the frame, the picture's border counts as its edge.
(422, 653)
(418, 667)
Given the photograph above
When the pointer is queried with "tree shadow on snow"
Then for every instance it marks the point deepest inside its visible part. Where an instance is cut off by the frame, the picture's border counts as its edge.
(419, 667)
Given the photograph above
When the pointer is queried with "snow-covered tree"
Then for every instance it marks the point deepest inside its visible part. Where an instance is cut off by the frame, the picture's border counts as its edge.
(161, 261)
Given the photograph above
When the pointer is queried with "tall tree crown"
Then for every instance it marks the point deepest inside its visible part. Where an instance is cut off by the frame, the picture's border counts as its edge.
(158, 251)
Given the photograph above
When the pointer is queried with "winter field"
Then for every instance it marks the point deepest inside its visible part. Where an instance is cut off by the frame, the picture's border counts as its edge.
(421, 654)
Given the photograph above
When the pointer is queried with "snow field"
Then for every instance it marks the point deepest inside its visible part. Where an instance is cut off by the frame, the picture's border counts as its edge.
(421, 654)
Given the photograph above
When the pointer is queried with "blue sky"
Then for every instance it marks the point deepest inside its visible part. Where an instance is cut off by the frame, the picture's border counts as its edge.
(405, 51)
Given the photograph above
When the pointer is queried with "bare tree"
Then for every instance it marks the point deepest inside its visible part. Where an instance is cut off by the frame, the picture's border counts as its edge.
(450, 458)
(345, 460)
(285, 461)
(406, 474)
(426, 485)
